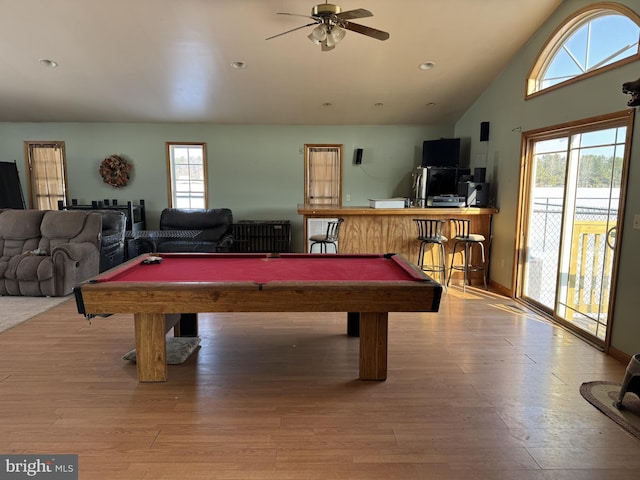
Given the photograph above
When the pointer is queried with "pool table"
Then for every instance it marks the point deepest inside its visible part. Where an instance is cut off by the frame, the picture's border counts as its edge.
(372, 285)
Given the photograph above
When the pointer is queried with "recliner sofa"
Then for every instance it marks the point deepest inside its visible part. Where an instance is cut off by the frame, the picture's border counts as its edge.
(47, 252)
(112, 244)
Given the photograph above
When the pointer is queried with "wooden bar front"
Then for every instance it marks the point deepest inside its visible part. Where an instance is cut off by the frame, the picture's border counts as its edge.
(392, 230)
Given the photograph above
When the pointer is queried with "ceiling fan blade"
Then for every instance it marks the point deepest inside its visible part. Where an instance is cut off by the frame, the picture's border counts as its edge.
(292, 30)
(295, 15)
(357, 13)
(368, 31)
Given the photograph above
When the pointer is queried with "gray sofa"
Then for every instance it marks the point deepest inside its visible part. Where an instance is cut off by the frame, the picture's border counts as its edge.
(47, 252)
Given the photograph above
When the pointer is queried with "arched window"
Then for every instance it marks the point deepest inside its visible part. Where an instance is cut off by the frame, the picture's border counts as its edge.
(595, 39)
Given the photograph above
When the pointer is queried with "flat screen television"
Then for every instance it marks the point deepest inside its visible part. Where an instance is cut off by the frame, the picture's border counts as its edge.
(444, 180)
(441, 153)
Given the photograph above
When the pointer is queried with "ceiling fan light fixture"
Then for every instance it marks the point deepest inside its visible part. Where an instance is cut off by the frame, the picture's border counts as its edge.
(331, 23)
(318, 34)
(335, 35)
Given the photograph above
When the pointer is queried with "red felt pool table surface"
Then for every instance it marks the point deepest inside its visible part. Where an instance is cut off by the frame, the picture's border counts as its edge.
(368, 285)
(263, 268)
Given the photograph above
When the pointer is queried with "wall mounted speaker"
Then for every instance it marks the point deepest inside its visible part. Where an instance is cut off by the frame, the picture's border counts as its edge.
(484, 131)
(358, 156)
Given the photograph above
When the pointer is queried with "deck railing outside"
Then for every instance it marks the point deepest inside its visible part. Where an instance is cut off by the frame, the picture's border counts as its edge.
(585, 293)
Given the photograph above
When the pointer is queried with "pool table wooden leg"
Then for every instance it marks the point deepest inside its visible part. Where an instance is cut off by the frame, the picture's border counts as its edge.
(151, 347)
(373, 345)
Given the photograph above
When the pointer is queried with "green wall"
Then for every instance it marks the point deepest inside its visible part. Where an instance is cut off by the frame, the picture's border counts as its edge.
(257, 171)
(503, 105)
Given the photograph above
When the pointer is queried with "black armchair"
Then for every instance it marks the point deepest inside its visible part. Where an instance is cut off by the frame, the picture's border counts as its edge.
(112, 243)
(215, 227)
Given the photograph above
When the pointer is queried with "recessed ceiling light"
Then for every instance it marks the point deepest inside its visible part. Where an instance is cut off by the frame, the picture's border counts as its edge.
(239, 65)
(426, 66)
(45, 62)
(431, 104)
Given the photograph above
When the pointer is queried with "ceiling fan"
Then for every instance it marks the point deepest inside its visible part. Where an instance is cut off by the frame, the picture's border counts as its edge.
(332, 24)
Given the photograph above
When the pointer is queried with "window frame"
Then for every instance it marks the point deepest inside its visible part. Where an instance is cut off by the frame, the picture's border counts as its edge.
(31, 176)
(624, 118)
(562, 34)
(308, 174)
(171, 171)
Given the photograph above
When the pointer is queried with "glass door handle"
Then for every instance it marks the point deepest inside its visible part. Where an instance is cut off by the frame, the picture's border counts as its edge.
(611, 237)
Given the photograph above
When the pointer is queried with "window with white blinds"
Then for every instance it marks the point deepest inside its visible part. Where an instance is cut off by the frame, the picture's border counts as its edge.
(323, 174)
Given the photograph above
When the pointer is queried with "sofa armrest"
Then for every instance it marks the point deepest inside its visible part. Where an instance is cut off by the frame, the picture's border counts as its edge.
(74, 263)
(225, 243)
(74, 251)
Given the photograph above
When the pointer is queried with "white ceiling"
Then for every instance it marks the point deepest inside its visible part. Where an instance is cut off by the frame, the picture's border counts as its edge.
(170, 60)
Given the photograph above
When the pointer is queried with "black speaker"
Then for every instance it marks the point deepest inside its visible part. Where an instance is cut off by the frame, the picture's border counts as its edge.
(358, 156)
(476, 193)
(484, 131)
(479, 175)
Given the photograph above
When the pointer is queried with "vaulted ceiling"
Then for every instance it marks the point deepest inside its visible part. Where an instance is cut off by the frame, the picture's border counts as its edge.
(171, 60)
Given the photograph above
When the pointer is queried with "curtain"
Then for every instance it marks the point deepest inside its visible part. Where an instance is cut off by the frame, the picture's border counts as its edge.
(46, 164)
(324, 175)
(10, 188)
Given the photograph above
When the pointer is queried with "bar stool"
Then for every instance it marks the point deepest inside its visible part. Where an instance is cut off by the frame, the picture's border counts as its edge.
(430, 236)
(329, 238)
(468, 241)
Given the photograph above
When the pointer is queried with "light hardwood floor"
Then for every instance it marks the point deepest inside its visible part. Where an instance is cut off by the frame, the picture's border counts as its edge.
(480, 390)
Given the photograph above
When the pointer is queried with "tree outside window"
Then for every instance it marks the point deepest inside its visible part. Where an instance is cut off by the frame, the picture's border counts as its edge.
(187, 174)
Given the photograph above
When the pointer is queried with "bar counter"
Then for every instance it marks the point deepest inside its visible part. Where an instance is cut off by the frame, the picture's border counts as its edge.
(392, 230)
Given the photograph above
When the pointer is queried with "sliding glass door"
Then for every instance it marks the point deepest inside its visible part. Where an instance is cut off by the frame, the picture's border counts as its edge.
(571, 210)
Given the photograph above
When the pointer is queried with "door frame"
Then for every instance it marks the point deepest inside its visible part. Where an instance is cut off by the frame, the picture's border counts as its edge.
(528, 138)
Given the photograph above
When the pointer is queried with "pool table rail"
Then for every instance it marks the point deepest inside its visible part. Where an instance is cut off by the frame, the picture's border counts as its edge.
(107, 298)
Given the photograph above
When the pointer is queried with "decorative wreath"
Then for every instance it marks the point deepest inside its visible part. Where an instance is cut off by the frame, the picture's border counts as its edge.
(114, 171)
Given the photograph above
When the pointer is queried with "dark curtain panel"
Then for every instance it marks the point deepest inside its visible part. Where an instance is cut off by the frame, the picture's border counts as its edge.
(10, 188)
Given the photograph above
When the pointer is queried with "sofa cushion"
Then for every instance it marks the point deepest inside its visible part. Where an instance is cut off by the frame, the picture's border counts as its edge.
(62, 224)
(20, 224)
(29, 268)
(59, 227)
(19, 231)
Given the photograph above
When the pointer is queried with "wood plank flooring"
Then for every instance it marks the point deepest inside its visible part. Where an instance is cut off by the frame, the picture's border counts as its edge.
(481, 390)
